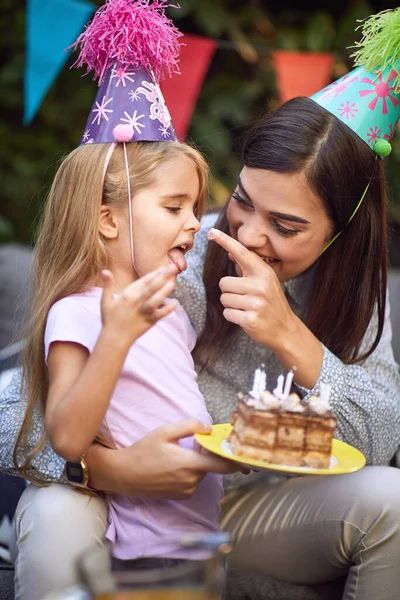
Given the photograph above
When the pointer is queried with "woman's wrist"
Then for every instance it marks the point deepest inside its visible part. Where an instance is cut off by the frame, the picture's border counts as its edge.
(106, 469)
(298, 347)
(284, 337)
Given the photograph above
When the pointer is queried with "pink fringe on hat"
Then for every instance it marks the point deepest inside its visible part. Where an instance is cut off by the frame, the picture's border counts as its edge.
(132, 33)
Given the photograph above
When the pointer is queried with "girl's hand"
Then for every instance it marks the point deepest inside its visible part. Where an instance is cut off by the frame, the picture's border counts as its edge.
(255, 301)
(156, 466)
(139, 306)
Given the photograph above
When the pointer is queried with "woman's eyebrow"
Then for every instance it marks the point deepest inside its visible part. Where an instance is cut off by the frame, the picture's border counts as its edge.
(286, 217)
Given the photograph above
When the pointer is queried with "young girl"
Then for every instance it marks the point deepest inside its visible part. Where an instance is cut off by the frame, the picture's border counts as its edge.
(107, 352)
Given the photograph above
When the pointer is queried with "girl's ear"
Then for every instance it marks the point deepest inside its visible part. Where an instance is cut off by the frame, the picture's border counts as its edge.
(108, 223)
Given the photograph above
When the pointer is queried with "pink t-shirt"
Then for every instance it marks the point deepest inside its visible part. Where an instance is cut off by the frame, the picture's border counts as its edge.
(158, 385)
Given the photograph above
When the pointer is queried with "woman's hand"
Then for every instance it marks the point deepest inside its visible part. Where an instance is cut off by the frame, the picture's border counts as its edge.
(156, 466)
(139, 306)
(255, 301)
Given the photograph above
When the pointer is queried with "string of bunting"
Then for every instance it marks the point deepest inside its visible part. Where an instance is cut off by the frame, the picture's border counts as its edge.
(52, 25)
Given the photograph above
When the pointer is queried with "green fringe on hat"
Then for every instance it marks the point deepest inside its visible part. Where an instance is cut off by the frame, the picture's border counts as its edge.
(380, 44)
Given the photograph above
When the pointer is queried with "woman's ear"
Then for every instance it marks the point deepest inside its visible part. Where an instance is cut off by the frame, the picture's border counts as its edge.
(108, 223)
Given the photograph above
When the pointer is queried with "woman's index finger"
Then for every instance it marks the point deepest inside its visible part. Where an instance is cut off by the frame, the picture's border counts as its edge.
(246, 259)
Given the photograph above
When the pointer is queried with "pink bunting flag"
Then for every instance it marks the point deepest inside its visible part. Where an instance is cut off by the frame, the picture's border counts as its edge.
(181, 91)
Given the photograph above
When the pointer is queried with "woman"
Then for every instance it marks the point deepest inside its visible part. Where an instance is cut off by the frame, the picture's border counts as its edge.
(284, 302)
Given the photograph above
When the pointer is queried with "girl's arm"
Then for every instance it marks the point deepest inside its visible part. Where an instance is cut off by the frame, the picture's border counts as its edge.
(78, 395)
(81, 385)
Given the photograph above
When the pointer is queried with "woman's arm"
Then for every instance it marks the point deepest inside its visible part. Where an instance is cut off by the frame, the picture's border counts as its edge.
(257, 304)
(48, 466)
(11, 416)
(365, 397)
(156, 466)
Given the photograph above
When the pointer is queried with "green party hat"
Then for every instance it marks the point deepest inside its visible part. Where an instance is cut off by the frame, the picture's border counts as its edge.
(368, 98)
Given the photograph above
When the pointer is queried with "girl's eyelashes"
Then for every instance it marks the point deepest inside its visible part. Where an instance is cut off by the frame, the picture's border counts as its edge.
(283, 230)
(174, 209)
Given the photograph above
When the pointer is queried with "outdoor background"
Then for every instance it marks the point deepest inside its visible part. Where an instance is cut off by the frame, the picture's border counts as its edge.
(240, 84)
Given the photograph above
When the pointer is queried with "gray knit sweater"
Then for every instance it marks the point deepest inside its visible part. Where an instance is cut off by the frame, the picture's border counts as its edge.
(365, 397)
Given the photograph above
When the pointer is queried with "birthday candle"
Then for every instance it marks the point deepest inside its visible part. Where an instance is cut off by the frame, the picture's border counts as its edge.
(279, 384)
(288, 384)
(259, 383)
(253, 391)
(263, 381)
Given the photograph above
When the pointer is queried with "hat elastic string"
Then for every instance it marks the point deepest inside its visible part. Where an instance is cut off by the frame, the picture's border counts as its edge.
(129, 205)
(106, 163)
(108, 157)
(351, 217)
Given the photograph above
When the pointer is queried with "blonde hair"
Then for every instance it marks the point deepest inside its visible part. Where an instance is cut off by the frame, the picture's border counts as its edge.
(70, 253)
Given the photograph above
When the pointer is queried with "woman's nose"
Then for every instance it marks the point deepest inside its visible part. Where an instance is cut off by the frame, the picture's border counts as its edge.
(252, 235)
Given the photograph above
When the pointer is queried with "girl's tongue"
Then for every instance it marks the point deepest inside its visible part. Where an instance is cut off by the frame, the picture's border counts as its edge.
(177, 257)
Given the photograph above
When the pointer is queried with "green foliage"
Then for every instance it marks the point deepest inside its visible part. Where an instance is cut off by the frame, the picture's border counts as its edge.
(6, 230)
(239, 86)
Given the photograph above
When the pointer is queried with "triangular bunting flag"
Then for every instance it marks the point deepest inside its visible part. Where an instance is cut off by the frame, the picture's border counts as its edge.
(181, 91)
(301, 73)
(51, 26)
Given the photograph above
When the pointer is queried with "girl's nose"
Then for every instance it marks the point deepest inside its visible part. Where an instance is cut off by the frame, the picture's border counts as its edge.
(194, 224)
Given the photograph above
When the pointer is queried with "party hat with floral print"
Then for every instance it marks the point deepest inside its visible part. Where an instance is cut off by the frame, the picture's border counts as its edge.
(129, 45)
(368, 98)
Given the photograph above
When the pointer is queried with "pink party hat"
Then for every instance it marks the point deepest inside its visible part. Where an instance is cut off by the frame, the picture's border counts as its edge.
(128, 45)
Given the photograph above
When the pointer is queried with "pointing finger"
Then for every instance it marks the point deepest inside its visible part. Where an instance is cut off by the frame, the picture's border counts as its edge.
(247, 261)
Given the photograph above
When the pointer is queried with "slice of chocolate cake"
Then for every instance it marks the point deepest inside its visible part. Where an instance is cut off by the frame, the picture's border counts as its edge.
(282, 429)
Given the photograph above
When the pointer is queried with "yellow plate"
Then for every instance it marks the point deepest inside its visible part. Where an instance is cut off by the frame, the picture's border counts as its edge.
(344, 459)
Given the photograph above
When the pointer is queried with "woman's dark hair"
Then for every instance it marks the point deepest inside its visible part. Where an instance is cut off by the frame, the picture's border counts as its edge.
(350, 279)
